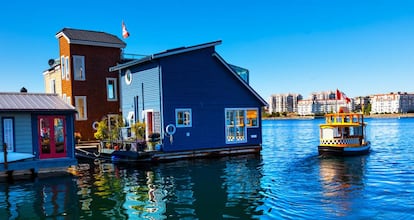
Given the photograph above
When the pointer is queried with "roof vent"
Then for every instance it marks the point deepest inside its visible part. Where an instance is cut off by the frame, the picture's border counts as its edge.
(23, 90)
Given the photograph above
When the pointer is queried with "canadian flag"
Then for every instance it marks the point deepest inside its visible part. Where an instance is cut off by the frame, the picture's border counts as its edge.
(125, 32)
(340, 95)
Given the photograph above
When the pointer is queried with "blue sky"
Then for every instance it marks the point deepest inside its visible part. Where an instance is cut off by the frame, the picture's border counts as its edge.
(297, 46)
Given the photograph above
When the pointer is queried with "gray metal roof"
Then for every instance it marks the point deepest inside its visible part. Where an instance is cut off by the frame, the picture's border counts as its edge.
(29, 102)
(87, 37)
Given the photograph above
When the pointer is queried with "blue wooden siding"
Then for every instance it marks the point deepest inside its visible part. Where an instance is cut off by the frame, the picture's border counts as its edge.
(199, 81)
(22, 133)
(145, 85)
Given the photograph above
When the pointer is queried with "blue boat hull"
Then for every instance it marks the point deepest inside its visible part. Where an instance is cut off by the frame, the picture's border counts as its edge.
(344, 151)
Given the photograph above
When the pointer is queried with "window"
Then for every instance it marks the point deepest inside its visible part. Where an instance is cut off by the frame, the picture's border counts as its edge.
(79, 67)
(80, 105)
(111, 89)
(235, 126)
(252, 118)
(53, 86)
(64, 65)
(128, 77)
(183, 118)
(67, 67)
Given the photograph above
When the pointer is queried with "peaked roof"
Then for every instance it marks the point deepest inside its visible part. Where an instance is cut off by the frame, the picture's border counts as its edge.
(93, 38)
(164, 54)
(30, 102)
(187, 49)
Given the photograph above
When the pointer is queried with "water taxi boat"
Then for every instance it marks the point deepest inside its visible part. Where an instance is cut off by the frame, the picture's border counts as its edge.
(343, 134)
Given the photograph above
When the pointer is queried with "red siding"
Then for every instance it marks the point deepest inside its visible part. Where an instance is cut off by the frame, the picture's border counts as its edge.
(98, 60)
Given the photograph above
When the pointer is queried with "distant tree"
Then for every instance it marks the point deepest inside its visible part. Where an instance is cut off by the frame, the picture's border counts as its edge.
(367, 109)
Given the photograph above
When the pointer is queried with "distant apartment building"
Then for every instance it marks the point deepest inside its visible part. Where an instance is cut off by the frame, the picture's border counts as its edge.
(321, 103)
(400, 102)
(361, 102)
(284, 103)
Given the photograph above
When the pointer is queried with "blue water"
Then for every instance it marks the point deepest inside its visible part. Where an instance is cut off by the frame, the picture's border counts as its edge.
(287, 181)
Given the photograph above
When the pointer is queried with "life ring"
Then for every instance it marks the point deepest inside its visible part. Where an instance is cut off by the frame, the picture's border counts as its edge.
(170, 129)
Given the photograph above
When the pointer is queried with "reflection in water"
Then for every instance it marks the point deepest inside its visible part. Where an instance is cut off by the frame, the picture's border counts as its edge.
(341, 179)
(52, 197)
(288, 181)
(217, 188)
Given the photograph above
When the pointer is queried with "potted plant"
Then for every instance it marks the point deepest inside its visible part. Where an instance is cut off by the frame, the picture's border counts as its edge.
(78, 136)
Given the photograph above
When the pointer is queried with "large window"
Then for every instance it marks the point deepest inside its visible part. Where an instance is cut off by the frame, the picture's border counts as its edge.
(237, 122)
(80, 104)
(79, 67)
(183, 117)
(111, 89)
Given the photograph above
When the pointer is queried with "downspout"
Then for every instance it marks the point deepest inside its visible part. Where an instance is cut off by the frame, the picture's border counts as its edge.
(161, 103)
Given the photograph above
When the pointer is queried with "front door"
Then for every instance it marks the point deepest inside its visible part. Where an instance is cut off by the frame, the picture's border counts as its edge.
(51, 135)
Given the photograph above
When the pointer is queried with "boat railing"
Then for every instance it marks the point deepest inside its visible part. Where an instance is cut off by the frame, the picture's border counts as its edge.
(344, 118)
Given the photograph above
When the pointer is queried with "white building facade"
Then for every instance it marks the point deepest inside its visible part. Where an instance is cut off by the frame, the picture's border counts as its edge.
(392, 103)
(284, 103)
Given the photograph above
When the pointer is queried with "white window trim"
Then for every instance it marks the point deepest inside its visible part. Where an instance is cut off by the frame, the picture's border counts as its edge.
(115, 89)
(82, 65)
(183, 110)
(67, 67)
(69, 100)
(85, 109)
(63, 67)
(53, 86)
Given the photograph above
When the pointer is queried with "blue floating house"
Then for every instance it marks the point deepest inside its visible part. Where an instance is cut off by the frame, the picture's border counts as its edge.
(36, 132)
(194, 99)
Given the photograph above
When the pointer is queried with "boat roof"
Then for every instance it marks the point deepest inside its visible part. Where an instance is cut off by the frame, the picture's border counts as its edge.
(30, 102)
(87, 37)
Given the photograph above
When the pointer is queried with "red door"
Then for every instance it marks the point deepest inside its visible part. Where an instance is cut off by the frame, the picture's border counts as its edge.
(51, 134)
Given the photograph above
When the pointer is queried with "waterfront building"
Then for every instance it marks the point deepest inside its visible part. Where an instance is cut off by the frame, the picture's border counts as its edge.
(82, 78)
(400, 102)
(284, 103)
(321, 103)
(193, 98)
(38, 128)
(361, 102)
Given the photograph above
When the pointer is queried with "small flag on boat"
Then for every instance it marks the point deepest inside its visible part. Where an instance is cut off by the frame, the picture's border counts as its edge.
(125, 32)
(341, 96)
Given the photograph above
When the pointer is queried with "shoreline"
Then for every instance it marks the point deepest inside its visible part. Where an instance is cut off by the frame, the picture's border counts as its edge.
(407, 115)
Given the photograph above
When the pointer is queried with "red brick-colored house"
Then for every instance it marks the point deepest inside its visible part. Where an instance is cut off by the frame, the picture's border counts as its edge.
(81, 76)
